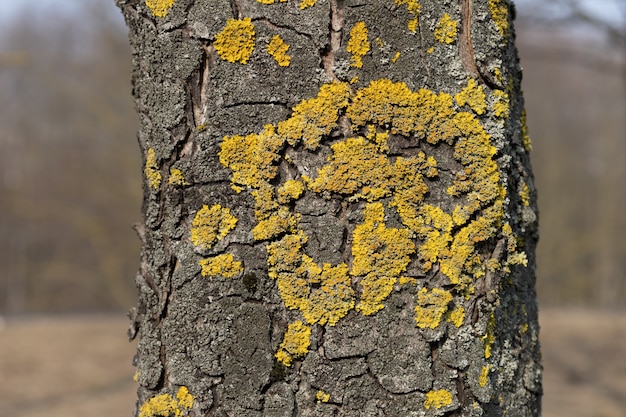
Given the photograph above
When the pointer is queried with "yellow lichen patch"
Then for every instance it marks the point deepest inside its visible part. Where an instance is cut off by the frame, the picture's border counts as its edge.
(160, 8)
(224, 265)
(438, 398)
(524, 195)
(380, 254)
(322, 294)
(489, 338)
(290, 190)
(501, 104)
(431, 306)
(456, 316)
(210, 225)
(277, 48)
(526, 142)
(500, 16)
(151, 170)
(414, 7)
(251, 157)
(322, 396)
(483, 378)
(307, 3)
(165, 405)
(358, 45)
(235, 42)
(315, 117)
(354, 79)
(296, 342)
(355, 165)
(430, 50)
(276, 224)
(422, 113)
(474, 96)
(446, 29)
(396, 57)
(176, 177)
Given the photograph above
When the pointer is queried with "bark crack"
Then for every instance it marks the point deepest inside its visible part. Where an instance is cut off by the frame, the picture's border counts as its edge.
(337, 19)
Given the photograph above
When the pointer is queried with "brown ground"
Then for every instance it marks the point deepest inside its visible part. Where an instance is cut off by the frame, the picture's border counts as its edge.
(80, 366)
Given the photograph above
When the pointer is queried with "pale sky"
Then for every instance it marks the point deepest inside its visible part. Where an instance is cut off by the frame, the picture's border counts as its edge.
(606, 9)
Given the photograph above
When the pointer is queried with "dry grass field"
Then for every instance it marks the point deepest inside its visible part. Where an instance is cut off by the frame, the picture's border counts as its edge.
(80, 366)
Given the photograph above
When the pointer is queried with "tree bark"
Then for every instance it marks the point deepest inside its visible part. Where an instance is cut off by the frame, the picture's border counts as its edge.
(339, 212)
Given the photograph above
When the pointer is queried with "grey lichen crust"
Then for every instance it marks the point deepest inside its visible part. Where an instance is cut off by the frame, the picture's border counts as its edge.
(286, 319)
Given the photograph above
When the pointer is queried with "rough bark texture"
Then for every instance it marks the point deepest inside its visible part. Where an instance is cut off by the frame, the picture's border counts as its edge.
(339, 213)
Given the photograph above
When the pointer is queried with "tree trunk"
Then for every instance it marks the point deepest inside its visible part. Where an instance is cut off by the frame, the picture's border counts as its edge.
(339, 214)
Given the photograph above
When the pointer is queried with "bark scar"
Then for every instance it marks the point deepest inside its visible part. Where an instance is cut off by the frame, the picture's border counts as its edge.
(465, 41)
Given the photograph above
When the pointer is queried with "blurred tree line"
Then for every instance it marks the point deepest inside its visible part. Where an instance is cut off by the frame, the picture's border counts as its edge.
(70, 170)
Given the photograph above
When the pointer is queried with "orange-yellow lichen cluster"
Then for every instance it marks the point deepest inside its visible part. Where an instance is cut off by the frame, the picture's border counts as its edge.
(500, 16)
(224, 265)
(160, 8)
(474, 96)
(210, 225)
(359, 167)
(166, 405)
(358, 44)
(296, 342)
(177, 177)
(235, 43)
(322, 396)
(277, 48)
(151, 170)
(438, 398)
(446, 29)
(413, 7)
(380, 254)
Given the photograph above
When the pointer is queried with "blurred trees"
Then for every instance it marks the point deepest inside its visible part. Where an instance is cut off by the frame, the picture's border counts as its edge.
(70, 172)
(70, 176)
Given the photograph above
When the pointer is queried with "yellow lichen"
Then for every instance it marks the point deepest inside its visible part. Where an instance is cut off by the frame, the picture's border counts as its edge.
(474, 96)
(413, 7)
(224, 265)
(380, 254)
(456, 316)
(235, 42)
(210, 225)
(165, 405)
(307, 3)
(276, 224)
(446, 29)
(431, 306)
(277, 48)
(489, 337)
(315, 117)
(396, 57)
(296, 342)
(483, 378)
(176, 177)
(500, 16)
(151, 170)
(358, 45)
(430, 50)
(290, 190)
(354, 79)
(526, 141)
(185, 399)
(524, 195)
(251, 157)
(322, 396)
(160, 8)
(437, 399)
(501, 104)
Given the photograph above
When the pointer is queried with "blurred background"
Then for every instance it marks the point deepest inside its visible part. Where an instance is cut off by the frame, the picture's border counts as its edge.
(70, 189)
